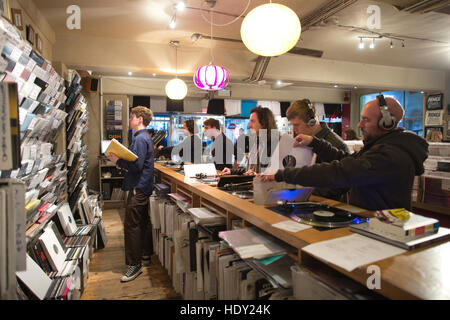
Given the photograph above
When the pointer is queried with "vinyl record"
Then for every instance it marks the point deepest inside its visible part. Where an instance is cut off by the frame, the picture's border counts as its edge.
(317, 215)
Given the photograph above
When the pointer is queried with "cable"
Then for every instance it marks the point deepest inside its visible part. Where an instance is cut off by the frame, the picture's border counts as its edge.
(228, 23)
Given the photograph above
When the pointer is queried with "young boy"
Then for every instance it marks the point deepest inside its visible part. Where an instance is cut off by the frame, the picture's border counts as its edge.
(138, 181)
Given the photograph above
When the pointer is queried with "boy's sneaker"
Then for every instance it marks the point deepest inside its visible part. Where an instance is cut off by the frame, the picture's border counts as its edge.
(146, 261)
(132, 273)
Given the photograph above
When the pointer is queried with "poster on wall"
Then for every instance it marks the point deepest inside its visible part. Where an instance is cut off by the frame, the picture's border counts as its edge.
(434, 134)
(434, 118)
(434, 101)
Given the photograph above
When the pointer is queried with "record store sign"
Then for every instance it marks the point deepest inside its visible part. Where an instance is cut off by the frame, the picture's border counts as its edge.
(434, 102)
(434, 118)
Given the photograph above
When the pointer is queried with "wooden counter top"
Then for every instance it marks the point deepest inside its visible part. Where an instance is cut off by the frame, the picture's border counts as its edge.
(417, 274)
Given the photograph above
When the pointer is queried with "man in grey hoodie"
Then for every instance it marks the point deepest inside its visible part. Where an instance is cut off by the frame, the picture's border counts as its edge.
(381, 175)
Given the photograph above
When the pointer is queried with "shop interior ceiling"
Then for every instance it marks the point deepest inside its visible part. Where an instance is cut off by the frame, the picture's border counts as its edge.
(330, 30)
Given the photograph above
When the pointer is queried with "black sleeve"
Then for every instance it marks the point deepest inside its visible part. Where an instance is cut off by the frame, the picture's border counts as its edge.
(326, 152)
(373, 167)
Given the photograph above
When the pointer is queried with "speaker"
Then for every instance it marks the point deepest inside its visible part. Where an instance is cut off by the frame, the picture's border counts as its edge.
(90, 84)
(216, 106)
(284, 105)
(346, 96)
(141, 101)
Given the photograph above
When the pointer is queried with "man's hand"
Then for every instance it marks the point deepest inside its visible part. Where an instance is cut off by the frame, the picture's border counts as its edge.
(303, 140)
(226, 171)
(112, 157)
(266, 177)
(249, 173)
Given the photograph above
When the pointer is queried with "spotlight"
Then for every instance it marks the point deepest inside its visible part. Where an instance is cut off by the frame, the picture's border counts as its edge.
(195, 37)
(372, 45)
(335, 86)
(173, 22)
(403, 44)
(392, 44)
(130, 73)
(180, 6)
(278, 82)
(361, 44)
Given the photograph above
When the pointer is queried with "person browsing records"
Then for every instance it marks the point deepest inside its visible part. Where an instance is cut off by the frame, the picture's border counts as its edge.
(138, 181)
(381, 175)
(262, 127)
(304, 120)
(190, 149)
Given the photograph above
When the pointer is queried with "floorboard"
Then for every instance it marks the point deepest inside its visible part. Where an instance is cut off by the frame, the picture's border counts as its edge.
(108, 265)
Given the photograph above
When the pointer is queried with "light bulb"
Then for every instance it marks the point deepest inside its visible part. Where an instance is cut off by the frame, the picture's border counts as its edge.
(361, 44)
(372, 45)
(180, 6)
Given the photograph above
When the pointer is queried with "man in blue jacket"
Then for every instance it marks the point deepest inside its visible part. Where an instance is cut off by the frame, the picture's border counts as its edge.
(138, 181)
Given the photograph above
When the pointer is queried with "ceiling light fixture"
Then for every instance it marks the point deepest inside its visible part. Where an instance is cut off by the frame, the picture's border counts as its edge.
(130, 73)
(361, 43)
(270, 29)
(403, 44)
(176, 89)
(180, 6)
(335, 86)
(211, 77)
(173, 21)
(372, 45)
(391, 44)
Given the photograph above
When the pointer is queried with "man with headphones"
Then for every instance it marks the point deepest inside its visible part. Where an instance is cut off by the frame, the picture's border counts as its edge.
(381, 175)
(302, 116)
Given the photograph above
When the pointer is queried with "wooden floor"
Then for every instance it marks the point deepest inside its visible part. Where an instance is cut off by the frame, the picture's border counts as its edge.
(108, 265)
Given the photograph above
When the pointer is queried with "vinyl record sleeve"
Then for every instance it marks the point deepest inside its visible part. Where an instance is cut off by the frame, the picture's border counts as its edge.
(67, 220)
(53, 249)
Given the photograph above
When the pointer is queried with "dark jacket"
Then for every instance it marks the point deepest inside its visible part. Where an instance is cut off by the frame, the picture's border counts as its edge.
(140, 172)
(222, 152)
(328, 135)
(380, 175)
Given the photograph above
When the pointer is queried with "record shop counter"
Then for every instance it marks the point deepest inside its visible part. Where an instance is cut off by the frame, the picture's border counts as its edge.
(417, 274)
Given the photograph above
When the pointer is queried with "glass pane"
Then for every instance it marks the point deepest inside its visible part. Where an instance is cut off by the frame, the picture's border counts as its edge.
(366, 98)
(414, 125)
(396, 94)
(413, 104)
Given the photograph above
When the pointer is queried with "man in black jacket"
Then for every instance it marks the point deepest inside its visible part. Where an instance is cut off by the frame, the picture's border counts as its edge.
(381, 175)
(222, 147)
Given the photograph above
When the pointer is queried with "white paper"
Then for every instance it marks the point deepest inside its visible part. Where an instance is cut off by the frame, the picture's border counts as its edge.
(253, 251)
(291, 226)
(351, 252)
(190, 170)
(350, 208)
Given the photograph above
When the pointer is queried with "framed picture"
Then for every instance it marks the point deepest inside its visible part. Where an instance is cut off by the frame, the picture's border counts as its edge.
(30, 34)
(434, 101)
(16, 15)
(38, 43)
(4, 9)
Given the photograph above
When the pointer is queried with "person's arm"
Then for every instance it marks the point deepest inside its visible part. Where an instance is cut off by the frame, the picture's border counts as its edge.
(325, 150)
(374, 167)
(141, 151)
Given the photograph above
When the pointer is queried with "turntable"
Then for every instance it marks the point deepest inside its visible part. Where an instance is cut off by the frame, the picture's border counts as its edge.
(318, 215)
(239, 186)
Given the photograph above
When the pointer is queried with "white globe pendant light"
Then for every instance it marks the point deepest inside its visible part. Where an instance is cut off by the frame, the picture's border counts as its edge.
(176, 89)
(270, 30)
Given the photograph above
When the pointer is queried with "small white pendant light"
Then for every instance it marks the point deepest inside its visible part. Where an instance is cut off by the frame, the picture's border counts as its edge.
(176, 89)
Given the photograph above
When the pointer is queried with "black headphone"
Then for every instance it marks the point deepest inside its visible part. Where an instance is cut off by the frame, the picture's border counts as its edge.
(311, 114)
(387, 121)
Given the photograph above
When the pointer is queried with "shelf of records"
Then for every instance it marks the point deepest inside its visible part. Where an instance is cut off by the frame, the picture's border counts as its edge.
(431, 191)
(207, 262)
(50, 261)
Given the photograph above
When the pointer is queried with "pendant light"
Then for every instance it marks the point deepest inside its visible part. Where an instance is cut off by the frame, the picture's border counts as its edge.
(211, 77)
(176, 89)
(270, 29)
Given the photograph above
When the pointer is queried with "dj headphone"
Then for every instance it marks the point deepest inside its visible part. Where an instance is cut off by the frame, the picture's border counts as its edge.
(311, 114)
(387, 121)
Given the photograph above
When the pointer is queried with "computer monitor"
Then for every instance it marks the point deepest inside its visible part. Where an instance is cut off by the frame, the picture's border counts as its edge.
(105, 145)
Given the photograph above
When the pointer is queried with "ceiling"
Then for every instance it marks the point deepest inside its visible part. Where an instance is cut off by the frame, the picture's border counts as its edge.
(426, 35)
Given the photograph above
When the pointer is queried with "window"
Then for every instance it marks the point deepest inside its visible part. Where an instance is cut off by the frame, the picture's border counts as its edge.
(411, 101)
